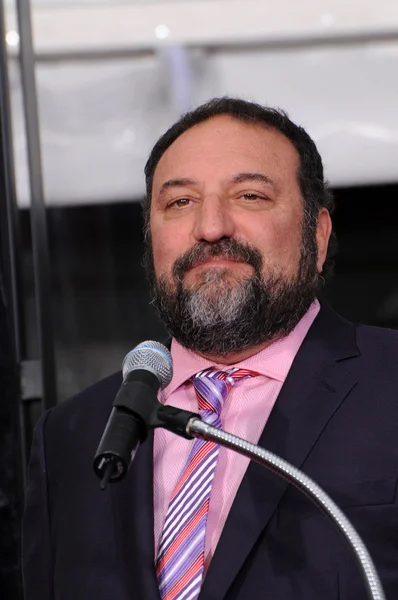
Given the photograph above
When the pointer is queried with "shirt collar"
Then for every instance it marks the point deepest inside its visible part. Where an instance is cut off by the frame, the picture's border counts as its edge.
(273, 362)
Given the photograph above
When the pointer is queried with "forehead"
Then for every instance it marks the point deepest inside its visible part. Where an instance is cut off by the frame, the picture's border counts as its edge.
(224, 145)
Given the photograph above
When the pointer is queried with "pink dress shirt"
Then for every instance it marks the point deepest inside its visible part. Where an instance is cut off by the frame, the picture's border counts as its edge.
(245, 413)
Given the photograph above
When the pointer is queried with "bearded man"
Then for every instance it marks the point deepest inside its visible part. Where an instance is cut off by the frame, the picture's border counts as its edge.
(239, 238)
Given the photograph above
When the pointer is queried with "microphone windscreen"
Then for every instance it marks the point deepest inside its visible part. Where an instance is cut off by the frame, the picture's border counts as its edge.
(150, 356)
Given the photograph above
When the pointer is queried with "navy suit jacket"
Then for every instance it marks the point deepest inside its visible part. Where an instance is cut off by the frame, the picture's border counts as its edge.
(336, 418)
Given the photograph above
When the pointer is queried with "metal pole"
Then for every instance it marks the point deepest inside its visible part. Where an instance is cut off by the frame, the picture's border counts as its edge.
(10, 241)
(41, 259)
(12, 432)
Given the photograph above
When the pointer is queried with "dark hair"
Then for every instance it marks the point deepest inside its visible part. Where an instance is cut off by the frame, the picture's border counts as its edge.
(314, 189)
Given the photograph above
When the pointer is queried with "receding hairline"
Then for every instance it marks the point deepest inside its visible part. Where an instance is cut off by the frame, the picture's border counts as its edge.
(246, 120)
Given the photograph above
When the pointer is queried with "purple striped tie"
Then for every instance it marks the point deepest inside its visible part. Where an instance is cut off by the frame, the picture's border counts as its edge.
(180, 560)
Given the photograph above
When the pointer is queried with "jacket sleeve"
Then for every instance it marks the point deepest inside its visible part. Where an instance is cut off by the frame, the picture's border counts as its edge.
(37, 563)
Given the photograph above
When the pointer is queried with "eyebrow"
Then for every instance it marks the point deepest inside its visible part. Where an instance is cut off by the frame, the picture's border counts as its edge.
(259, 177)
(175, 183)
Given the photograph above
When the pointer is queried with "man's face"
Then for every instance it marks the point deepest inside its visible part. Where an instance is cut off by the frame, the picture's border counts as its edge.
(226, 210)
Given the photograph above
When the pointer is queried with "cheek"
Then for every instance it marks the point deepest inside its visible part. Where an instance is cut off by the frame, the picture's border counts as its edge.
(160, 252)
(280, 243)
(167, 246)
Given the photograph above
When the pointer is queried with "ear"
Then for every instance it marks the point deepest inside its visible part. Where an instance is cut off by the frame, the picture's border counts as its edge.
(323, 231)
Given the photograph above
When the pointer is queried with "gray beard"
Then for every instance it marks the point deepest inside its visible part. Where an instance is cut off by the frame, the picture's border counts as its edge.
(220, 316)
(215, 302)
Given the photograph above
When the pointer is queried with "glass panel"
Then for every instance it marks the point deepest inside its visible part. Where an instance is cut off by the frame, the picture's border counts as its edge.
(101, 298)
(365, 285)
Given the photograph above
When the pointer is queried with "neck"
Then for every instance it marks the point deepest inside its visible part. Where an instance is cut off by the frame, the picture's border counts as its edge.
(235, 357)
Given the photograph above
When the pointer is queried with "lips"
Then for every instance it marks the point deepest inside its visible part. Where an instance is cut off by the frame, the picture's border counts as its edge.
(222, 261)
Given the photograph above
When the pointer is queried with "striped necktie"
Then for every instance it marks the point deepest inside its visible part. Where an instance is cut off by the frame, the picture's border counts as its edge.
(180, 560)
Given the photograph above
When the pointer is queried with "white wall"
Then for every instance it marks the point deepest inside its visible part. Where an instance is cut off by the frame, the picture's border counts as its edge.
(333, 66)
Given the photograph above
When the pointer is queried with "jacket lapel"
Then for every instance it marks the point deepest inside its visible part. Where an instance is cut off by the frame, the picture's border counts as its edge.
(316, 385)
(132, 501)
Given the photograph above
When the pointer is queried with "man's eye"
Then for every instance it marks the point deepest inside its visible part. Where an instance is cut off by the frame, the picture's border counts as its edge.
(180, 203)
(251, 196)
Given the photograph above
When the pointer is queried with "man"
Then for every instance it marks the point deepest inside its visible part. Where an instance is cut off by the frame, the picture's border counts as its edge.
(238, 230)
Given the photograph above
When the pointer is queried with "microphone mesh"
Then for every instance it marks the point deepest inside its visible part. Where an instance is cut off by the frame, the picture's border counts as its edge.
(151, 356)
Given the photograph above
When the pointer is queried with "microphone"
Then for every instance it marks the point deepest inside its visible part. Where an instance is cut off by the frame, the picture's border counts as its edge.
(146, 369)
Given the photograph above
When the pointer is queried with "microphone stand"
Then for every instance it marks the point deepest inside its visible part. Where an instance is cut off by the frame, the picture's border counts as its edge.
(200, 429)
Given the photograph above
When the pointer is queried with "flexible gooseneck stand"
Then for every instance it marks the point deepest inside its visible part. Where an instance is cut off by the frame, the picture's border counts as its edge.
(111, 464)
(200, 429)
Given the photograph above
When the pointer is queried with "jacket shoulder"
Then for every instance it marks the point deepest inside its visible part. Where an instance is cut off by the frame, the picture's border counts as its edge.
(377, 336)
(379, 349)
(92, 405)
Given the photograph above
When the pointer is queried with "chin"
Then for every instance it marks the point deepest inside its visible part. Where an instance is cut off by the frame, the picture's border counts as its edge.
(211, 275)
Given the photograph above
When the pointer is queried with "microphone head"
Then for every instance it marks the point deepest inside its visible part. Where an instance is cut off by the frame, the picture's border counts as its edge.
(150, 356)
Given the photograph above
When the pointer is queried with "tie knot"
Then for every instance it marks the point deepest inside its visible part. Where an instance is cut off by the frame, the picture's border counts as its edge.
(212, 386)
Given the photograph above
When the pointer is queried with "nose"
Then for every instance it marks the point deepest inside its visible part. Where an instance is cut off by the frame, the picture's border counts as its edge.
(213, 220)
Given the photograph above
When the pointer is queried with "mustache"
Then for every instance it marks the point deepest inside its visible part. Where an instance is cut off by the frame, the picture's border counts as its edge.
(224, 248)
